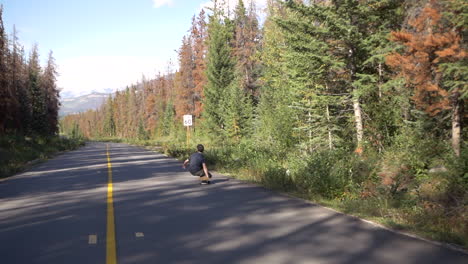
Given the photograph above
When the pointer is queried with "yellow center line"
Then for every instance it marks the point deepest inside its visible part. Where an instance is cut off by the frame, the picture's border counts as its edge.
(111, 256)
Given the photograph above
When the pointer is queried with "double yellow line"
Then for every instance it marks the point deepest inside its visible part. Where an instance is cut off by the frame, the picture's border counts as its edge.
(111, 252)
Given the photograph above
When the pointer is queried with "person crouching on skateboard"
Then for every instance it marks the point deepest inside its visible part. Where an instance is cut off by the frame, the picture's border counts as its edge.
(197, 165)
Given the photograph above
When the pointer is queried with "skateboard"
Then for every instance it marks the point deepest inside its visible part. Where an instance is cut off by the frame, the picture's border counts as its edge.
(206, 179)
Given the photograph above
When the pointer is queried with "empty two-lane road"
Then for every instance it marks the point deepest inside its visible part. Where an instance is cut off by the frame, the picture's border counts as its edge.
(59, 213)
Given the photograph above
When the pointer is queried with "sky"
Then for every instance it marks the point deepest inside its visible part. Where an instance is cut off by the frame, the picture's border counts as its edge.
(104, 44)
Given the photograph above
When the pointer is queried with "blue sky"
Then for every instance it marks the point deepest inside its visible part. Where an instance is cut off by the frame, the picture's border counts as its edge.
(101, 44)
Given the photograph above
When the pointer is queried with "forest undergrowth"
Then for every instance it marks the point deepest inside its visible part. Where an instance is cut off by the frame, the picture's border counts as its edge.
(18, 152)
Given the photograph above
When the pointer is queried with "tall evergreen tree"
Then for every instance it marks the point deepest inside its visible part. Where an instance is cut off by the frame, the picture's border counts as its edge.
(238, 112)
(132, 110)
(167, 120)
(38, 95)
(220, 70)
(276, 118)
(8, 102)
(18, 78)
(150, 111)
(245, 46)
(52, 94)
(454, 66)
(109, 122)
(312, 67)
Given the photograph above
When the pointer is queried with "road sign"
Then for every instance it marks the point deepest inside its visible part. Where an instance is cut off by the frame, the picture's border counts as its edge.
(187, 120)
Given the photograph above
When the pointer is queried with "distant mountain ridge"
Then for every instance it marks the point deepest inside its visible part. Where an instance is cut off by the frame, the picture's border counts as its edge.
(82, 103)
(72, 94)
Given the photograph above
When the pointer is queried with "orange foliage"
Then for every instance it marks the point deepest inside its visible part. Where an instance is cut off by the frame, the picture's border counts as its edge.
(199, 35)
(427, 45)
(359, 150)
(429, 19)
(401, 36)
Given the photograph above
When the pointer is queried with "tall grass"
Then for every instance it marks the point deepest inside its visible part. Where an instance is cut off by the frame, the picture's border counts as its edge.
(16, 151)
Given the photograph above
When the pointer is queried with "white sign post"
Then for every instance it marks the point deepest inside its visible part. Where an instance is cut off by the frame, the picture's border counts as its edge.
(188, 124)
(187, 120)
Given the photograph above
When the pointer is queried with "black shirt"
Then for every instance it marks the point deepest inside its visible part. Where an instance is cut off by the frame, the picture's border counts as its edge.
(195, 162)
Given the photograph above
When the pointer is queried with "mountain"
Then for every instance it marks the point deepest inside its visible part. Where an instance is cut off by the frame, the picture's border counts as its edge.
(67, 94)
(71, 94)
(82, 103)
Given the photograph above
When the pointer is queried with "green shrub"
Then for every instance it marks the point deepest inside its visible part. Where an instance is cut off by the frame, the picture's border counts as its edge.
(329, 173)
(177, 150)
(277, 177)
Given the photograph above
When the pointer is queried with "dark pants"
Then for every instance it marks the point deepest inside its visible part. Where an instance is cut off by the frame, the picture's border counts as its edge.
(201, 173)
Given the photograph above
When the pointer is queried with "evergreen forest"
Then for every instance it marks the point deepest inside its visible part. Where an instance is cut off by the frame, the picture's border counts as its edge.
(29, 104)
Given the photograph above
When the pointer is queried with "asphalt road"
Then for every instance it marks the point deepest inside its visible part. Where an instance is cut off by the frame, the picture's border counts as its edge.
(56, 213)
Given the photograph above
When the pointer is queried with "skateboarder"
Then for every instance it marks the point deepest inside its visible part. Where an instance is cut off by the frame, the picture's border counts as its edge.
(197, 165)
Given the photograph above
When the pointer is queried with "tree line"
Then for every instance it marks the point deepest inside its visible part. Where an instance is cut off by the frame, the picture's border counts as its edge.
(318, 75)
(29, 97)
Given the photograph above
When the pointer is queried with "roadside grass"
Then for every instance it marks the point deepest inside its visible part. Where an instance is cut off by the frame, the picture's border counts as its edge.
(411, 219)
(18, 152)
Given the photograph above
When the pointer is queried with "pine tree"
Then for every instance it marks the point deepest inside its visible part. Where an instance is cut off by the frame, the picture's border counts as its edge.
(238, 112)
(150, 113)
(76, 132)
(8, 100)
(132, 103)
(52, 94)
(276, 118)
(142, 135)
(454, 66)
(18, 78)
(311, 66)
(432, 50)
(168, 119)
(220, 71)
(109, 122)
(185, 99)
(245, 46)
(199, 37)
(383, 99)
(38, 94)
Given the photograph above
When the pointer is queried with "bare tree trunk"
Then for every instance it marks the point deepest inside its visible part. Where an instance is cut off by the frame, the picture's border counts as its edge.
(380, 79)
(330, 139)
(356, 105)
(358, 120)
(309, 114)
(456, 122)
(380, 95)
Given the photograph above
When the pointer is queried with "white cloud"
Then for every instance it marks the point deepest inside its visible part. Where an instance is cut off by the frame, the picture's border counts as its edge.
(81, 75)
(159, 3)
